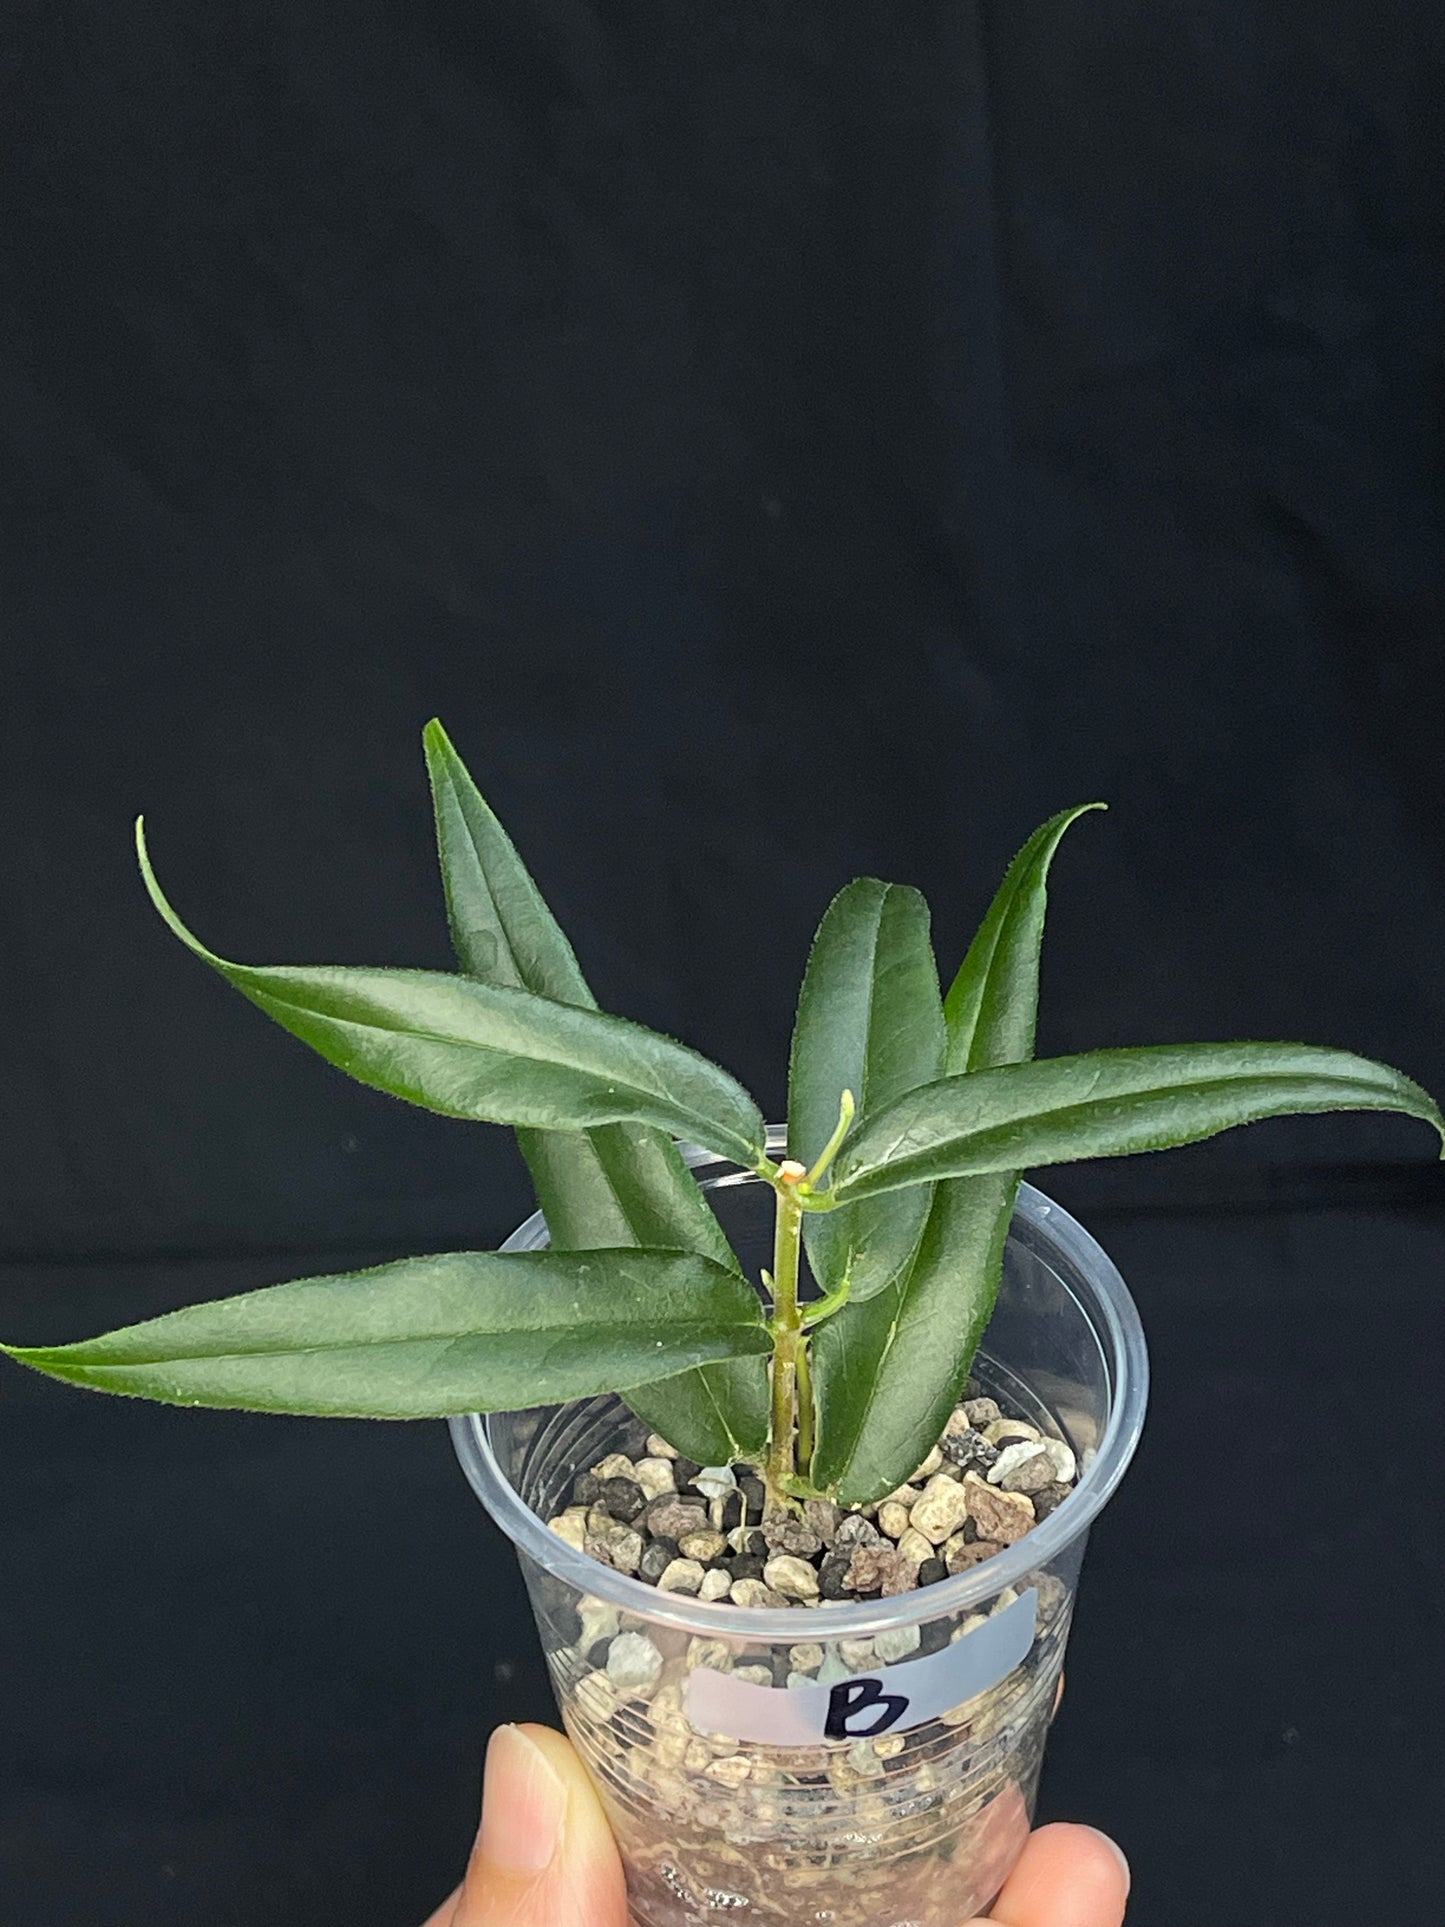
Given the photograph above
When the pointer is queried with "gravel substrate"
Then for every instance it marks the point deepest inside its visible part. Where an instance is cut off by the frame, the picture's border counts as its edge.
(701, 1530)
(906, 1828)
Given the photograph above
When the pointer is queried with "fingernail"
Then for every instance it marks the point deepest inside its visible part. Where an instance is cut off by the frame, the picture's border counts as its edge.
(1118, 1853)
(523, 1806)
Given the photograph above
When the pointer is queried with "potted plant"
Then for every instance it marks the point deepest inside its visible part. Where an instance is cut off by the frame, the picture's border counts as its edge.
(799, 1431)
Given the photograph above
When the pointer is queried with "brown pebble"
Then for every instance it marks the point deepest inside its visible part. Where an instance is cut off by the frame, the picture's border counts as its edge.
(960, 1554)
(824, 1517)
(1025, 1467)
(1001, 1516)
(903, 1577)
(793, 1536)
(876, 1569)
(670, 1517)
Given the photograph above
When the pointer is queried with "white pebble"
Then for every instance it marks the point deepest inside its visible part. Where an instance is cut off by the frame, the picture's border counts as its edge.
(624, 1549)
(597, 1697)
(893, 1519)
(597, 1619)
(941, 1510)
(864, 1761)
(716, 1584)
(895, 1643)
(915, 1548)
(1066, 1466)
(655, 1476)
(658, 1447)
(682, 1575)
(754, 1675)
(1014, 1458)
(833, 1669)
(791, 1576)
(634, 1665)
(930, 1465)
(715, 1654)
(571, 1526)
(615, 1466)
(752, 1592)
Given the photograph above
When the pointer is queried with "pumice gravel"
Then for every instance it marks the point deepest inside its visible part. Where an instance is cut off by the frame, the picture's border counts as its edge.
(705, 1531)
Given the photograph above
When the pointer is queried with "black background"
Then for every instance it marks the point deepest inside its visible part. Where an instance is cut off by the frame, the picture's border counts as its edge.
(781, 443)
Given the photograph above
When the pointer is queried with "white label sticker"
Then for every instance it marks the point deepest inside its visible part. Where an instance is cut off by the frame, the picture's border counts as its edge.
(890, 1699)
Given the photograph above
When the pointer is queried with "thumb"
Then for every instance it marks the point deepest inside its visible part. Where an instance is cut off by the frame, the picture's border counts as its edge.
(544, 1855)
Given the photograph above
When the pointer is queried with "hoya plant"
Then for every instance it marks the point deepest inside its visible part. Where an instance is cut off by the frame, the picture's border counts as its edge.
(911, 1117)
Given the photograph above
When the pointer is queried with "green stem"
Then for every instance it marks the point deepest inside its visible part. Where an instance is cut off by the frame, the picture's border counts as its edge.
(824, 1308)
(787, 1342)
(847, 1110)
(806, 1417)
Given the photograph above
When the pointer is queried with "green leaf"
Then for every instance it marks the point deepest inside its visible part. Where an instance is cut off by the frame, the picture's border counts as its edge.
(1108, 1103)
(615, 1184)
(424, 1337)
(888, 1374)
(491, 1052)
(992, 1005)
(502, 929)
(869, 1021)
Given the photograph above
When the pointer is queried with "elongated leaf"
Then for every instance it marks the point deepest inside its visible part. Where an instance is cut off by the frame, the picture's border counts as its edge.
(463, 1332)
(616, 1184)
(870, 1021)
(502, 929)
(491, 1052)
(992, 1005)
(888, 1374)
(1108, 1103)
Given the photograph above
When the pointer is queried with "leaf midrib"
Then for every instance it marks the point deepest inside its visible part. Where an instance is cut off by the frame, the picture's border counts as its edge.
(711, 1125)
(590, 1331)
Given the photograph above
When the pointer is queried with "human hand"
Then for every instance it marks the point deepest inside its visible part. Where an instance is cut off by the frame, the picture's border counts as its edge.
(544, 1856)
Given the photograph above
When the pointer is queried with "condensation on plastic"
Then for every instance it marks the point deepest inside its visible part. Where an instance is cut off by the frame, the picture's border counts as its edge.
(915, 1829)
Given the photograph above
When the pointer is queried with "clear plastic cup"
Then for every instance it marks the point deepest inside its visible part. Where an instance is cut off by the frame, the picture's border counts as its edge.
(909, 1820)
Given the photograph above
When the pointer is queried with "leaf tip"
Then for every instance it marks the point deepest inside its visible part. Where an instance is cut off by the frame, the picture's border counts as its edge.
(162, 903)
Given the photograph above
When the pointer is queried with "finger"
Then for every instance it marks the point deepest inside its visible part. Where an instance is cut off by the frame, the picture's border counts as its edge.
(1067, 1876)
(1058, 1699)
(446, 1914)
(544, 1855)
